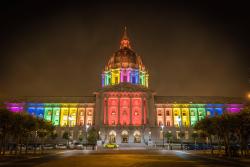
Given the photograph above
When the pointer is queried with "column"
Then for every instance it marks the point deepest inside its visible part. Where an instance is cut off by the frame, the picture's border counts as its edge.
(77, 115)
(107, 111)
(164, 116)
(130, 111)
(172, 109)
(142, 109)
(119, 110)
(85, 115)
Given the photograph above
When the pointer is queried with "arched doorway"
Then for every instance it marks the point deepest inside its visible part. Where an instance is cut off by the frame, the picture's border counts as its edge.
(124, 136)
(137, 136)
(112, 135)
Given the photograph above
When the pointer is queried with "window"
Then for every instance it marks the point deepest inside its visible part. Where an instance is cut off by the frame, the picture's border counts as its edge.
(113, 122)
(200, 113)
(116, 80)
(186, 135)
(167, 113)
(89, 113)
(136, 113)
(168, 123)
(177, 134)
(159, 114)
(89, 122)
(192, 113)
(124, 78)
(160, 123)
(113, 112)
(133, 79)
(184, 114)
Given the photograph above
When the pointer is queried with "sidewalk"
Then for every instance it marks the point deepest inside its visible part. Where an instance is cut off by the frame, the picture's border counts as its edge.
(217, 156)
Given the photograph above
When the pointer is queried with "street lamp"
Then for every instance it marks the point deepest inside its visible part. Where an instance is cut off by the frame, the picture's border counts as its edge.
(248, 96)
(87, 126)
(99, 135)
(162, 128)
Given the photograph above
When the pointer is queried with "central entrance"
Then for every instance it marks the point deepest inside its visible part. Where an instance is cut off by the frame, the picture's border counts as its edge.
(137, 136)
(124, 136)
(112, 136)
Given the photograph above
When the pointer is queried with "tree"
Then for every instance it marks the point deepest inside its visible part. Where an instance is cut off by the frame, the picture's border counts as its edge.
(92, 137)
(195, 136)
(66, 137)
(169, 137)
(181, 135)
(208, 128)
(6, 118)
(80, 138)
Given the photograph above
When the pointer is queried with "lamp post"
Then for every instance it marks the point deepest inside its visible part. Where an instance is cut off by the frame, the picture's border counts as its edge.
(179, 120)
(99, 135)
(70, 120)
(87, 126)
(162, 128)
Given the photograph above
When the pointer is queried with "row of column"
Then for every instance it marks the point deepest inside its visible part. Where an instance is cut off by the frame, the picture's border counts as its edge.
(130, 111)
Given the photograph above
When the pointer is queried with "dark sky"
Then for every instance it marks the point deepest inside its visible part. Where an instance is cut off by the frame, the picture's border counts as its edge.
(60, 48)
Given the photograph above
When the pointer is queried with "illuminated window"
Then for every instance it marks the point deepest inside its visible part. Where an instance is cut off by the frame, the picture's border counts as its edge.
(89, 122)
(192, 113)
(124, 78)
(116, 80)
(89, 113)
(159, 114)
(168, 123)
(160, 123)
(133, 79)
(136, 113)
(113, 112)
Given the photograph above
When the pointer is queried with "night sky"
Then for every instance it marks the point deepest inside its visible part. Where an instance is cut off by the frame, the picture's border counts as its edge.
(61, 48)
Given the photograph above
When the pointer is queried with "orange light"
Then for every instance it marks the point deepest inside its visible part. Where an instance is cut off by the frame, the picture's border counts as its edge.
(248, 95)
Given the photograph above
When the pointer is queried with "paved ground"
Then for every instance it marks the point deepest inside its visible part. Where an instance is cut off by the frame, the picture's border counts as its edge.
(122, 158)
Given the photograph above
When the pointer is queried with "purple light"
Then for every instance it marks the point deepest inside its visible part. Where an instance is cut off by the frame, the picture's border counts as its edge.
(15, 107)
(233, 110)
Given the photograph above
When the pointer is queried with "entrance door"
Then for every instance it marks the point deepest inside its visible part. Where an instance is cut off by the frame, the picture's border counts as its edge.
(137, 137)
(112, 136)
(124, 136)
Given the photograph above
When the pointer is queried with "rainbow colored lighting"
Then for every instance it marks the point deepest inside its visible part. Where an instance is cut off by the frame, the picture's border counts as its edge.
(15, 107)
(125, 66)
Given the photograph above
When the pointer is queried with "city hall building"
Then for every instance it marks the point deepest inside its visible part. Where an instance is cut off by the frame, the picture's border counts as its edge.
(125, 110)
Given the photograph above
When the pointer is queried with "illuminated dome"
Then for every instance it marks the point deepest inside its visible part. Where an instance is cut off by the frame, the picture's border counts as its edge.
(125, 66)
(124, 58)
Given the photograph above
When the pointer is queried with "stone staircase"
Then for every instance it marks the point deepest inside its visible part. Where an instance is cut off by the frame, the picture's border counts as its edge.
(132, 146)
